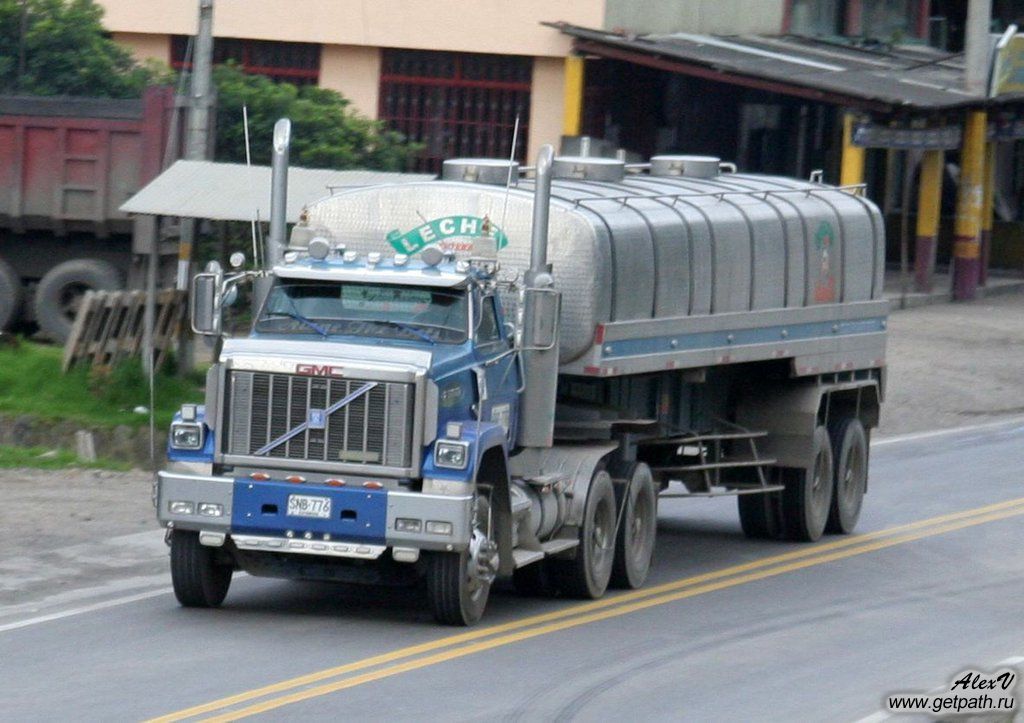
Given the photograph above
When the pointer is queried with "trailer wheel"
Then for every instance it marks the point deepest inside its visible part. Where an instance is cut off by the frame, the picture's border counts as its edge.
(807, 499)
(10, 295)
(60, 293)
(851, 441)
(634, 544)
(199, 580)
(459, 583)
(760, 515)
(587, 575)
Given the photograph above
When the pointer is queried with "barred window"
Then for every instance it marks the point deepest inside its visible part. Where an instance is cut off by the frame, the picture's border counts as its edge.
(296, 63)
(456, 104)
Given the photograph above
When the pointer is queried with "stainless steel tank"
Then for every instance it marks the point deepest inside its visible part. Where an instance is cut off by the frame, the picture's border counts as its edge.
(672, 239)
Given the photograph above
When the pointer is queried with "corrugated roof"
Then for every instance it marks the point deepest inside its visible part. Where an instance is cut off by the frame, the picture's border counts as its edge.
(234, 192)
(880, 78)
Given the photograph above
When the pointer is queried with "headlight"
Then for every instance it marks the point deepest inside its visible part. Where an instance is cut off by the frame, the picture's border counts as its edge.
(187, 435)
(453, 455)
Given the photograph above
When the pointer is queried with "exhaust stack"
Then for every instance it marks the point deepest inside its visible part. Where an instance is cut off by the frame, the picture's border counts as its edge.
(541, 308)
(276, 240)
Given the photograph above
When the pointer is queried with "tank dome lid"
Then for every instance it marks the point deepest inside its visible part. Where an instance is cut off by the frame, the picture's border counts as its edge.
(689, 166)
(490, 171)
(588, 168)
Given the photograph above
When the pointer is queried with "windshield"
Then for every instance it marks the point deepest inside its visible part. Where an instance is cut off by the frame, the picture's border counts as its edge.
(398, 312)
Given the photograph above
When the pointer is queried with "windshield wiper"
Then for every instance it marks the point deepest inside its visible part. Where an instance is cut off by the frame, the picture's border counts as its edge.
(298, 317)
(404, 327)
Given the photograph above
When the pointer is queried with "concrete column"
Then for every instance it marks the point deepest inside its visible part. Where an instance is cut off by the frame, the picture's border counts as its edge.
(852, 166)
(572, 114)
(929, 205)
(987, 203)
(967, 241)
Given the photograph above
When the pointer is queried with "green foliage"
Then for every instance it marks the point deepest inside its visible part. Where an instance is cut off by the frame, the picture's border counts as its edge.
(326, 132)
(66, 51)
(31, 383)
(42, 458)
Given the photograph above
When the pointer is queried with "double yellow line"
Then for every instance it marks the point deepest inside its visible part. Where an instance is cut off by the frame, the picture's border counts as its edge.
(452, 647)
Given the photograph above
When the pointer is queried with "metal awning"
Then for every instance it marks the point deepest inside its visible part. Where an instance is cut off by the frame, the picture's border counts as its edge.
(882, 79)
(235, 192)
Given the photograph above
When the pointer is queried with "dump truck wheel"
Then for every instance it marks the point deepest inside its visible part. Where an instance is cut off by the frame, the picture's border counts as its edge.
(807, 499)
(587, 575)
(60, 293)
(851, 475)
(459, 583)
(199, 580)
(634, 543)
(10, 295)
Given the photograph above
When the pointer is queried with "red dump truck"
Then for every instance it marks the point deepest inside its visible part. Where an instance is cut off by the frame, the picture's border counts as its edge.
(66, 165)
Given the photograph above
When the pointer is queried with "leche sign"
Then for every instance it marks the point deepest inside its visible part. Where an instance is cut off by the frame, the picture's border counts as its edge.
(440, 230)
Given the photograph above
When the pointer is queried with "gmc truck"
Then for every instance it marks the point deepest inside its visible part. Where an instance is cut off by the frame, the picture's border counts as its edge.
(499, 373)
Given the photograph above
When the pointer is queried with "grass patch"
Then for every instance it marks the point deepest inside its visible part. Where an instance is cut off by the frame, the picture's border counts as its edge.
(42, 458)
(31, 382)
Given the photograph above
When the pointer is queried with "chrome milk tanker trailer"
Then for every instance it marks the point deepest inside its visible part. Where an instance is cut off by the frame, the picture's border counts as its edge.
(498, 373)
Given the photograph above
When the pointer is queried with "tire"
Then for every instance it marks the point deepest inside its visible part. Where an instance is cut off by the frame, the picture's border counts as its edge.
(851, 475)
(10, 295)
(60, 292)
(760, 515)
(457, 584)
(587, 575)
(199, 580)
(807, 499)
(635, 538)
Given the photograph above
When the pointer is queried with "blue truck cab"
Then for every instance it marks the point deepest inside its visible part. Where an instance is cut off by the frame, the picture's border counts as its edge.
(349, 426)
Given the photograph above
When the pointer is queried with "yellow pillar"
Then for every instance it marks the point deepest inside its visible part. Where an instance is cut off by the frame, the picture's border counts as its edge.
(929, 207)
(852, 166)
(572, 115)
(987, 204)
(967, 233)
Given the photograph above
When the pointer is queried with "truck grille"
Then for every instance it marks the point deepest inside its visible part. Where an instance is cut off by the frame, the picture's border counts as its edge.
(374, 428)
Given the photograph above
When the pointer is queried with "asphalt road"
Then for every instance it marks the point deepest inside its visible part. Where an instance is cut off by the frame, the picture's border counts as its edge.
(726, 629)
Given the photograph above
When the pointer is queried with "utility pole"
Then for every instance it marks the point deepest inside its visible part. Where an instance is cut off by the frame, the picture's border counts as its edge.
(197, 142)
(970, 195)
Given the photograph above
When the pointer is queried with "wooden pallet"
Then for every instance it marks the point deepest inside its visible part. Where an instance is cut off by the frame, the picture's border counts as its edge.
(109, 327)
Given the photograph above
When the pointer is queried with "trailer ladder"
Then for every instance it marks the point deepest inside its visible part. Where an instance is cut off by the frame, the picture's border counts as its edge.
(703, 477)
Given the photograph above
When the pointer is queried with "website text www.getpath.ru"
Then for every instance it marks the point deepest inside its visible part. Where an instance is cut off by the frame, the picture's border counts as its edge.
(969, 692)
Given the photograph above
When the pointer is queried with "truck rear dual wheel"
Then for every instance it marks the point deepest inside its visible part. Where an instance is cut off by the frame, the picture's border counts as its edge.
(850, 442)
(634, 543)
(199, 580)
(10, 295)
(807, 499)
(587, 575)
(761, 515)
(60, 293)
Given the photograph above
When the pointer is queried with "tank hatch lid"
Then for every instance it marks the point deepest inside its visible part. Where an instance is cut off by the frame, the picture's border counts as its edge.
(588, 168)
(489, 171)
(688, 166)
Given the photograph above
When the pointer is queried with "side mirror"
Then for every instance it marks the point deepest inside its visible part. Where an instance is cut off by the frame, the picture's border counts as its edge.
(206, 290)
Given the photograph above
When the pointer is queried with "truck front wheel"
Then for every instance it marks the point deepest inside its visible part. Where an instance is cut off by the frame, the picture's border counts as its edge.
(199, 580)
(459, 583)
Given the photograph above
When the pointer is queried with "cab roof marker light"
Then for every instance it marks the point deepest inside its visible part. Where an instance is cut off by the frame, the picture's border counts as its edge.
(373, 258)
(401, 259)
(350, 257)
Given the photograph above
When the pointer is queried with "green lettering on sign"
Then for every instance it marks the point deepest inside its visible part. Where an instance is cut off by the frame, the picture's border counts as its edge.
(441, 229)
